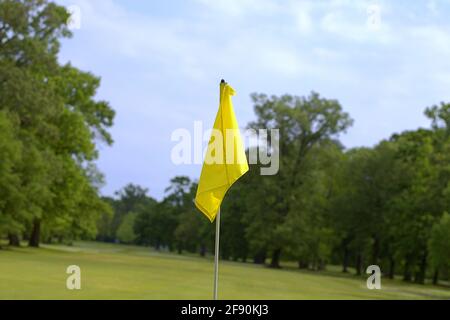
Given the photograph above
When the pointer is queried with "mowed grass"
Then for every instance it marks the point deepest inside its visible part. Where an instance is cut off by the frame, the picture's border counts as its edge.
(128, 272)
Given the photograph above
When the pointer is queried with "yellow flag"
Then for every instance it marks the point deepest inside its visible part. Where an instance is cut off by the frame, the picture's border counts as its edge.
(225, 160)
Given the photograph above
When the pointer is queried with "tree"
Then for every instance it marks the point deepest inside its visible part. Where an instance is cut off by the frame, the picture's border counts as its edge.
(190, 229)
(439, 246)
(57, 119)
(309, 225)
(125, 233)
(11, 213)
(132, 198)
(303, 123)
(104, 223)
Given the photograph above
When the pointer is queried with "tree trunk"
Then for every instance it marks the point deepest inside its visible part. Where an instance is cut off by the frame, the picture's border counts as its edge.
(321, 265)
(314, 263)
(35, 234)
(407, 275)
(275, 262)
(244, 257)
(202, 250)
(260, 257)
(391, 268)
(420, 275)
(302, 264)
(375, 250)
(436, 277)
(358, 264)
(418, 278)
(14, 240)
(345, 260)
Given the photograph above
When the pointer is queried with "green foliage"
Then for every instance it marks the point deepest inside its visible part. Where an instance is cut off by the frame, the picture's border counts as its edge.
(54, 124)
(305, 123)
(125, 233)
(132, 198)
(439, 244)
(10, 195)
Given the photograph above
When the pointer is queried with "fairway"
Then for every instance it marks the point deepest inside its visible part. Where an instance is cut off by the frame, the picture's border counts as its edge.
(128, 272)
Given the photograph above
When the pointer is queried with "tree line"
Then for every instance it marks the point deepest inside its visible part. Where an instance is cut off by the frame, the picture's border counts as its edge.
(386, 205)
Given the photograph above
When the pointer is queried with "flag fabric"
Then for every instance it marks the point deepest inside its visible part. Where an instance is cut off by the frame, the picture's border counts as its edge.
(225, 161)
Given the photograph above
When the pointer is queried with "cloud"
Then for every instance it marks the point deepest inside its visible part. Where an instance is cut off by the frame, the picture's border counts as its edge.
(432, 7)
(160, 64)
(435, 38)
(302, 16)
(283, 61)
(359, 26)
(198, 42)
(182, 45)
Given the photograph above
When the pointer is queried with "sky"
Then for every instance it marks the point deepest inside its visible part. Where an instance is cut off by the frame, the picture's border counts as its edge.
(161, 62)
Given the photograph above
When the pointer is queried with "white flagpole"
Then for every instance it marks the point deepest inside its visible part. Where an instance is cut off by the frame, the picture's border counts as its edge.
(216, 257)
(216, 254)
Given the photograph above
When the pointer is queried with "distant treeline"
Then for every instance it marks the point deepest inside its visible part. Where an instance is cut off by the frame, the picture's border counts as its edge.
(385, 205)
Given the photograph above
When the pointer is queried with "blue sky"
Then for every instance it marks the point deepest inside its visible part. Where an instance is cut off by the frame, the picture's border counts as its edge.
(161, 61)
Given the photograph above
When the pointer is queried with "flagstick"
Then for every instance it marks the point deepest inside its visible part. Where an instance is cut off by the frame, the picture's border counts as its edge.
(216, 257)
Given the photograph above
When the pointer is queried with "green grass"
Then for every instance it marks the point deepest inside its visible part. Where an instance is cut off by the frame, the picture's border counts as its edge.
(128, 272)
